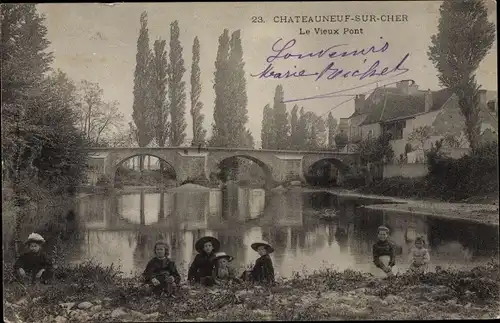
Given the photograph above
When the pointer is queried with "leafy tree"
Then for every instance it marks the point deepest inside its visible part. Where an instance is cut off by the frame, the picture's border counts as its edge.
(158, 71)
(315, 131)
(294, 128)
(341, 140)
(42, 150)
(176, 92)
(301, 130)
(219, 128)
(97, 119)
(420, 135)
(464, 38)
(332, 126)
(372, 150)
(280, 120)
(196, 106)
(247, 140)
(267, 131)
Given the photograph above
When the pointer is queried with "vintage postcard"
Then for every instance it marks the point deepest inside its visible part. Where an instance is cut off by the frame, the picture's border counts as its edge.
(248, 161)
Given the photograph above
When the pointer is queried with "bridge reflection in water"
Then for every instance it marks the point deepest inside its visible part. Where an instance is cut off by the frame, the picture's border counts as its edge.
(122, 229)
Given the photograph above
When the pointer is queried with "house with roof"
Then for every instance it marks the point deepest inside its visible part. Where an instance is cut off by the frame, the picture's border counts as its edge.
(401, 109)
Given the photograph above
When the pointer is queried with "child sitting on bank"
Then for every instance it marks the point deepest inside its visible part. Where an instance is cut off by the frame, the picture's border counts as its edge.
(223, 271)
(161, 272)
(202, 268)
(34, 266)
(420, 257)
(263, 270)
(383, 252)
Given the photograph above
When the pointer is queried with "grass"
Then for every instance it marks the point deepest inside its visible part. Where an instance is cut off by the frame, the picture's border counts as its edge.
(325, 294)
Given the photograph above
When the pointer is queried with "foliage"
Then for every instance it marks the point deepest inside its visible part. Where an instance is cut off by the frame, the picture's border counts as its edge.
(230, 111)
(220, 132)
(332, 127)
(464, 38)
(176, 93)
(141, 115)
(267, 130)
(97, 119)
(454, 141)
(196, 106)
(280, 126)
(341, 140)
(420, 135)
(314, 132)
(158, 78)
(236, 111)
(294, 128)
(373, 150)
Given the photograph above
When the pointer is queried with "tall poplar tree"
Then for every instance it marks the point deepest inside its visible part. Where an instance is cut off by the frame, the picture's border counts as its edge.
(464, 38)
(158, 92)
(140, 114)
(176, 88)
(267, 131)
(220, 132)
(196, 106)
(280, 120)
(294, 128)
(236, 110)
(332, 126)
(302, 130)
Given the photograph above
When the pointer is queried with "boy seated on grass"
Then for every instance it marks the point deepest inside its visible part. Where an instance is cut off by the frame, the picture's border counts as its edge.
(34, 266)
(161, 272)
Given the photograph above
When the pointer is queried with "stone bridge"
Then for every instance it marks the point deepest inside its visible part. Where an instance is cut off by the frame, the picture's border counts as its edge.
(192, 162)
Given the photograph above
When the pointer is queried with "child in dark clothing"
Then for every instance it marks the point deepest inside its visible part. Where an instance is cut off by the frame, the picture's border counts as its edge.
(263, 270)
(161, 272)
(34, 265)
(223, 270)
(383, 252)
(202, 267)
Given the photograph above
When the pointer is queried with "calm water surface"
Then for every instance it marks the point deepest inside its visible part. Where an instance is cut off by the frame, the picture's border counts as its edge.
(122, 229)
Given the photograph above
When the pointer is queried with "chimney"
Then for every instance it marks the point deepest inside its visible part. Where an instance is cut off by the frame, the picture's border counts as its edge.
(412, 88)
(359, 103)
(428, 100)
(482, 97)
(403, 86)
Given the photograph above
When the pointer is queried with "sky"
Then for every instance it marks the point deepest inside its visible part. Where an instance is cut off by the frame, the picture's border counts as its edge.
(97, 42)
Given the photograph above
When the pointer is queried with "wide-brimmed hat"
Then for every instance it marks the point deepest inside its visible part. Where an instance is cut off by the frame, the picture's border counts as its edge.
(35, 237)
(201, 242)
(222, 254)
(256, 245)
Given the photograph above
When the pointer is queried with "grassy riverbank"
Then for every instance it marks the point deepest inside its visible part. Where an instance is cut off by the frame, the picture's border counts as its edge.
(90, 293)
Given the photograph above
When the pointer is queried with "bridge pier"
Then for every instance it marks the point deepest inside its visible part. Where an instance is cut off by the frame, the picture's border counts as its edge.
(190, 163)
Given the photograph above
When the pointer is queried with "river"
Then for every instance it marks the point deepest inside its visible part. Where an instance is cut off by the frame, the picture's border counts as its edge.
(121, 229)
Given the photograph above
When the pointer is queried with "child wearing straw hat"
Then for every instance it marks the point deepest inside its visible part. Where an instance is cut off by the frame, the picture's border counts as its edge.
(383, 251)
(34, 265)
(202, 267)
(263, 270)
(161, 272)
(223, 270)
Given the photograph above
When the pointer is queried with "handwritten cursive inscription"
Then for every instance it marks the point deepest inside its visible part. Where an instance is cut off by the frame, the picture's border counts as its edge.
(283, 52)
(333, 69)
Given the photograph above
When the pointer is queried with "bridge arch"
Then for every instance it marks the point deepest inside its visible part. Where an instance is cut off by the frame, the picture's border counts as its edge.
(268, 173)
(122, 159)
(311, 165)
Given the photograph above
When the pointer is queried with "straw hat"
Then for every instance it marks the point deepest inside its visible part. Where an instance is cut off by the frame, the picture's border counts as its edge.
(256, 245)
(35, 237)
(222, 254)
(201, 242)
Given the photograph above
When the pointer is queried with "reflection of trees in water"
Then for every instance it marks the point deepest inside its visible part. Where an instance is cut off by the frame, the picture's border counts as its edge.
(320, 200)
(143, 249)
(480, 239)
